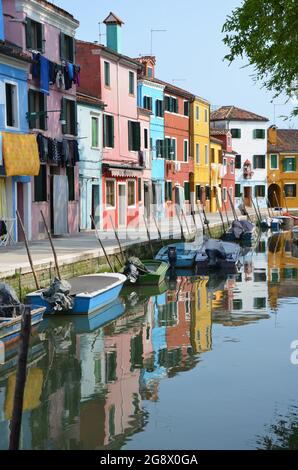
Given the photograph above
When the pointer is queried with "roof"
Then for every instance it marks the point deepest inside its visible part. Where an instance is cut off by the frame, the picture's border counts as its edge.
(113, 19)
(110, 51)
(214, 131)
(88, 99)
(172, 89)
(216, 141)
(232, 113)
(12, 50)
(287, 141)
(54, 7)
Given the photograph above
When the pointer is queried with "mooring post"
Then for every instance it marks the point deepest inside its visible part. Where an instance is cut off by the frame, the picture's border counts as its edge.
(16, 422)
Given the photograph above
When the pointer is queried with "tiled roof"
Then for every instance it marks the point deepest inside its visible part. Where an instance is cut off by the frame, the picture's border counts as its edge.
(113, 19)
(232, 113)
(14, 51)
(54, 7)
(110, 51)
(287, 141)
(172, 88)
(92, 100)
(214, 131)
(216, 141)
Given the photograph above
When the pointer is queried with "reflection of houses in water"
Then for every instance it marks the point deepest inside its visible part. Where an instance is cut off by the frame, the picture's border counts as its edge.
(282, 267)
(201, 322)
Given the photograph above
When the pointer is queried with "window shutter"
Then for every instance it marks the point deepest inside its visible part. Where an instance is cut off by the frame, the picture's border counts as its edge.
(28, 33)
(43, 119)
(31, 106)
(254, 134)
(130, 143)
(75, 118)
(170, 190)
(255, 161)
(294, 164)
(112, 131)
(62, 46)
(284, 164)
(173, 149)
(63, 115)
(186, 191)
(43, 42)
(71, 50)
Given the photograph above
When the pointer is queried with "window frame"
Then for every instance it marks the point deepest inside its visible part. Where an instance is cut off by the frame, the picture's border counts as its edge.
(186, 103)
(206, 161)
(197, 112)
(43, 168)
(96, 117)
(107, 77)
(257, 186)
(198, 153)
(30, 37)
(134, 205)
(290, 184)
(255, 162)
(185, 141)
(110, 116)
(15, 105)
(289, 158)
(206, 115)
(236, 129)
(277, 161)
(36, 121)
(131, 83)
(110, 207)
(255, 131)
(225, 194)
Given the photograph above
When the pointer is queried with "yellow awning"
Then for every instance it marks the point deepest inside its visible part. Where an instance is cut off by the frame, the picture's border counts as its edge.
(20, 154)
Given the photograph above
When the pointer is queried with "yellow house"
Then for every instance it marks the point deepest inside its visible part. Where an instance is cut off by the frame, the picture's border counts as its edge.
(201, 320)
(199, 137)
(215, 172)
(282, 167)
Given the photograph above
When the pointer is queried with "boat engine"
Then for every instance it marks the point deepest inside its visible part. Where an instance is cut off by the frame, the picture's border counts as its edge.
(172, 256)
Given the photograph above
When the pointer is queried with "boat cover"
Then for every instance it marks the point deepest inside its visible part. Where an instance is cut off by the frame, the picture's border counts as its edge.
(8, 301)
(240, 227)
(134, 268)
(58, 296)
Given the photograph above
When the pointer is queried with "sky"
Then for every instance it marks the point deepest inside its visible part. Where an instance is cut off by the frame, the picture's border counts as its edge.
(189, 54)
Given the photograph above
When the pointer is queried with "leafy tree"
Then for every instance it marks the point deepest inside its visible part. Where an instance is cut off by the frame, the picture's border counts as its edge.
(266, 32)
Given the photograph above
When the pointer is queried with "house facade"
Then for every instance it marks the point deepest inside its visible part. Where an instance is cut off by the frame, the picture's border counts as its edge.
(151, 97)
(216, 147)
(282, 167)
(199, 131)
(90, 111)
(248, 131)
(46, 33)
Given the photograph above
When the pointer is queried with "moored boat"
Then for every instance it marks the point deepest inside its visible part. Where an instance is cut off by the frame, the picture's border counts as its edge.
(86, 294)
(10, 327)
(285, 222)
(294, 233)
(241, 230)
(218, 255)
(178, 255)
(145, 272)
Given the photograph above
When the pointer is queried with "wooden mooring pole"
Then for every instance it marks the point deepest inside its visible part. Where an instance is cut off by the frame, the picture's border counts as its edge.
(52, 246)
(158, 230)
(28, 249)
(16, 422)
(118, 241)
(148, 235)
(185, 220)
(101, 244)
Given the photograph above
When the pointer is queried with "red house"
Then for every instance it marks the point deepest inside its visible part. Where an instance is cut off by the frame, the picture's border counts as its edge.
(228, 165)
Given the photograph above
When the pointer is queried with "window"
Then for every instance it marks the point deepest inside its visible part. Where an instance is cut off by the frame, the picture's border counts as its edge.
(238, 161)
(236, 133)
(289, 164)
(139, 189)
(259, 161)
(197, 113)
(232, 166)
(148, 103)
(40, 185)
(131, 187)
(229, 141)
(185, 152)
(259, 133)
(231, 193)
(131, 83)
(198, 192)
(108, 131)
(259, 191)
(186, 108)
(208, 193)
(111, 366)
(94, 127)
(206, 115)
(145, 138)
(187, 190)
(260, 276)
(206, 155)
(259, 302)
(290, 189)
(238, 190)
(134, 136)
(149, 72)
(174, 105)
(159, 108)
(159, 148)
(237, 304)
(67, 48)
(35, 35)
(273, 162)
(168, 190)
(37, 103)
(71, 183)
(224, 162)
(171, 104)
(224, 194)
(69, 114)
(212, 155)
(110, 193)
(11, 94)
(107, 74)
(198, 153)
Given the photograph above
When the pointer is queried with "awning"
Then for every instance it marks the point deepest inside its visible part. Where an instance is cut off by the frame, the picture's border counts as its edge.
(20, 154)
(125, 173)
(122, 170)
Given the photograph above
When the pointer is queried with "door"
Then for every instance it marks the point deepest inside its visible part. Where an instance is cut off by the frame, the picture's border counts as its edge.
(121, 205)
(95, 209)
(60, 204)
(20, 208)
(147, 199)
(247, 196)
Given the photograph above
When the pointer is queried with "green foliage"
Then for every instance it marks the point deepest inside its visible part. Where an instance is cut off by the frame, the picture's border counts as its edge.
(266, 32)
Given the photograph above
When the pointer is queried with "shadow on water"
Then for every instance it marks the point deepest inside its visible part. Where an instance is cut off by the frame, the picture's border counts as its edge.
(92, 386)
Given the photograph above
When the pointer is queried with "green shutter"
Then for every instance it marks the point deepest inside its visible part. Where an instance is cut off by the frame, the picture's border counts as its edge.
(273, 162)
(112, 132)
(31, 109)
(75, 118)
(29, 38)
(173, 149)
(254, 133)
(294, 164)
(43, 119)
(62, 46)
(130, 136)
(284, 164)
(71, 57)
(104, 130)
(94, 132)
(255, 161)
(187, 191)
(170, 189)
(137, 133)
(63, 115)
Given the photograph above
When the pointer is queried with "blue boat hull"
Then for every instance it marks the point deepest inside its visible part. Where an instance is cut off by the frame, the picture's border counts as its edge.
(10, 331)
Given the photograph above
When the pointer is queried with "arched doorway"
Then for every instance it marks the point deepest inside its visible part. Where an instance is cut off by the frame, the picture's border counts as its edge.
(274, 195)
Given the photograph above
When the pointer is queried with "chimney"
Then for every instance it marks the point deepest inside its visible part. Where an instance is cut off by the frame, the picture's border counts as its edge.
(272, 135)
(2, 37)
(114, 32)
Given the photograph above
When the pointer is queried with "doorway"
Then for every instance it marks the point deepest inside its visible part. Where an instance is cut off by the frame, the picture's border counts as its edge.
(95, 208)
(21, 209)
(147, 202)
(247, 195)
(274, 195)
(121, 204)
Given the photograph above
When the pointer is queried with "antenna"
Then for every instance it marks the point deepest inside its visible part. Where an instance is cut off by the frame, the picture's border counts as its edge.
(178, 80)
(100, 33)
(155, 31)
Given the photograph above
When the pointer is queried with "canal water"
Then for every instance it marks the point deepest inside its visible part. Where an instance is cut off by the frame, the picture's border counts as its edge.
(198, 363)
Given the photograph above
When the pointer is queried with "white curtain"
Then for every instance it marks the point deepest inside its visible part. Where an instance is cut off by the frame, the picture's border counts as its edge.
(60, 204)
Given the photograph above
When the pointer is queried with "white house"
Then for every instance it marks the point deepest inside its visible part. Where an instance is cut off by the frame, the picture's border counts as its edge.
(249, 132)
(91, 148)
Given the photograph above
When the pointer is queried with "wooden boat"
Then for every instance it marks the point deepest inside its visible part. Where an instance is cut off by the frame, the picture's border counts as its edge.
(294, 233)
(89, 293)
(241, 230)
(10, 328)
(178, 255)
(153, 274)
(147, 290)
(294, 217)
(218, 255)
(285, 222)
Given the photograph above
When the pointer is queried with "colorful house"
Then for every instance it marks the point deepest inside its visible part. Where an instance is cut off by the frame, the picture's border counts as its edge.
(90, 111)
(114, 81)
(282, 167)
(199, 133)
(249, 136)
(46, 33)
(227, 167)
(150, 97)
(216, 147)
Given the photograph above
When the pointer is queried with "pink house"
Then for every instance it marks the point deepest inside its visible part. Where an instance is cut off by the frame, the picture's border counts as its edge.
(46, 33)
(109, 75)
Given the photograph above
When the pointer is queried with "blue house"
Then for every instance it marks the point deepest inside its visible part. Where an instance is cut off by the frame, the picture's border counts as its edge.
(151, 97)
(15, 191)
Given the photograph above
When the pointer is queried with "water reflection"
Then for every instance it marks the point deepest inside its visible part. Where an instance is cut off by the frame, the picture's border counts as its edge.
(89, 387)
